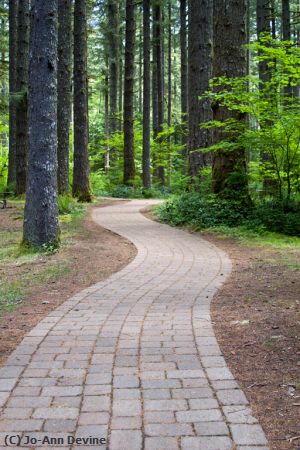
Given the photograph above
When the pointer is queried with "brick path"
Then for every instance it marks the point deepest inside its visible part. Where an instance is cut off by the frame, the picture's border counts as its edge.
(132, 359)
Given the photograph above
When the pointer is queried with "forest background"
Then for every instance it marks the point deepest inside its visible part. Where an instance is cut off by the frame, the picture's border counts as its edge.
(195, 100)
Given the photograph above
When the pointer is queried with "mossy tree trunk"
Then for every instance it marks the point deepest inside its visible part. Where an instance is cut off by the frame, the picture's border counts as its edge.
(199, 74)
(129, 163)
(147, 95)
(113, 46)
(41, 211)
(81, 184)
(230, 60)
(22, 96)
(183, 64)
(13, 45)
(64, 92)
(159, 73)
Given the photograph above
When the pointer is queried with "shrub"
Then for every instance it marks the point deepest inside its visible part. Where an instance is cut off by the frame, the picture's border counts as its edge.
(279, 216)
(202, 212)
(210, 211)
(68, 205)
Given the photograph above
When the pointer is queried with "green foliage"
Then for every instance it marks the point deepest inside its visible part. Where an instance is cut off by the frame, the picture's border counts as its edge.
(202, 211)
(273, 137)
(100, 183)
(123, 191)
(278, 216)
(68, 205)
(205, 212)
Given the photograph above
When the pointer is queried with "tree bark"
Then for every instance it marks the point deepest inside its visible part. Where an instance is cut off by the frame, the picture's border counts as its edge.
(41, 212)
(147, 95)
(169, 88)
(13, 45)
(184, 62)
(81, 184)
(230, 60)
(289, 91)
(22, 93)
(158, 42)
(64, 92)
(113, 46)
(155, 127)
(263, 17)
(129, 163)
(199, 74)
(286, 20)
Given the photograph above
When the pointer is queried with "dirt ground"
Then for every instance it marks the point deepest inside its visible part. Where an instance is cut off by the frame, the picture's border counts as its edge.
(257, 322)
(92, 255)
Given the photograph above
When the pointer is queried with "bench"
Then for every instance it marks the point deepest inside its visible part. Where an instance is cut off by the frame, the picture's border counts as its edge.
(4, 196)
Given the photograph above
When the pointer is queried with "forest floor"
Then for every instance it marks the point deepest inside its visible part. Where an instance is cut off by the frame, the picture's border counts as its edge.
(32, 285)
(256, 317)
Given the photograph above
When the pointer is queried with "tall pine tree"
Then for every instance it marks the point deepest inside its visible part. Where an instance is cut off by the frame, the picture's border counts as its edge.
(41, 211)
(81, 184)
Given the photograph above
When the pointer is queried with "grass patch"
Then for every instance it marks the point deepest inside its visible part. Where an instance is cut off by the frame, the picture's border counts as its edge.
(256, 238)
(22, 269)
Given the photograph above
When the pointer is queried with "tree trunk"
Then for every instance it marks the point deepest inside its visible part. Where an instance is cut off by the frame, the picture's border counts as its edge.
(64, 92)
(113, 47)
(13, 45)
(169, 87)
(199, 74)
(286, 20)
(81, 185)
(157, 17)
(129, 163)
(230, 60)
(289, 91)
(184, 62)
(146, 97)
(22, 93)
(121, 74)
(155, 127)
(140, 65)
(273, 20)
(263, 16)
(41, 212)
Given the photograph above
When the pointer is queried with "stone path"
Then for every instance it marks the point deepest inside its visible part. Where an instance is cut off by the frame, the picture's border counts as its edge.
(133, 359)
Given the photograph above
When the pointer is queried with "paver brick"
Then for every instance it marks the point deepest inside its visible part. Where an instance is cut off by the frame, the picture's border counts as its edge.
(126, 408)
(207, 443)
(55, 413)
(125, 439)
(161, 443)
(250, 435)
(165, 405)
(239, 414)
(232, 397)
(211, 429)
(126, 423)
(94, 418)
(173, 429)
(29, 402)
(206, 415)
(95, 403)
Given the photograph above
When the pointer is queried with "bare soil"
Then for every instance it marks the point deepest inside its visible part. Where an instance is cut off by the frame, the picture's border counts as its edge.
(264, 352)
(92, 256)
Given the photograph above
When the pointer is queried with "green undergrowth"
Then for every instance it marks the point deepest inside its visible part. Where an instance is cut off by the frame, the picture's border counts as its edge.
(24, 268)
(271, 223)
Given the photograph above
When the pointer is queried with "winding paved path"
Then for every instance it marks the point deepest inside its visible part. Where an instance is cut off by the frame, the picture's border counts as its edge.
(132, 359)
